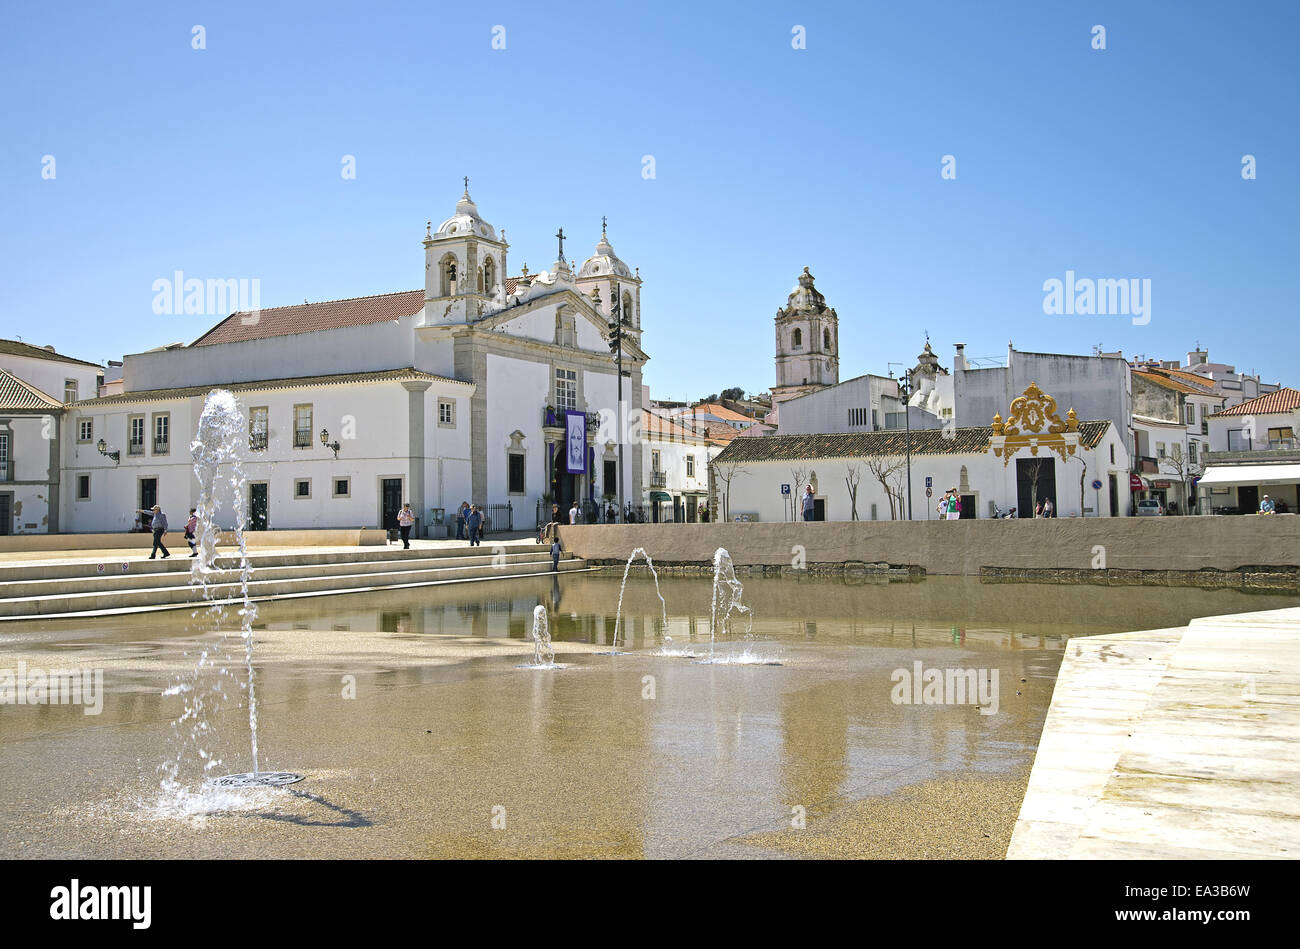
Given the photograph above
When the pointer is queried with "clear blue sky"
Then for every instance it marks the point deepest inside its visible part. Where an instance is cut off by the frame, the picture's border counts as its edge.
(225, 163)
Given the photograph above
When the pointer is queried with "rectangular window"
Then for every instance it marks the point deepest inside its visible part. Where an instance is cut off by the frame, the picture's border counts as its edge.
(259, 427)
(302, 426)
(83, 487)
(1191, 414)
(1160, 449)
(515, 473)
(1112, 454)
(690, 466)
(566, 389)
(5, 474)
(611, 477)
(161, 434)
(86, 430)
(1281, 438)
(135, 435)
(302, 488)
(342, 487)
(1191, 452)
(69, 390)
(446, 413)
(1205, 421)
(654, 461)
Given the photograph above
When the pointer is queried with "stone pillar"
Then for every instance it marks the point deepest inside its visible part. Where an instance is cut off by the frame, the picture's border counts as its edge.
(415, 448)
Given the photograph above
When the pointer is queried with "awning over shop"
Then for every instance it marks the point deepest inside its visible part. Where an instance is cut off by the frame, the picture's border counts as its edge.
(660, 496)
(1251, 474)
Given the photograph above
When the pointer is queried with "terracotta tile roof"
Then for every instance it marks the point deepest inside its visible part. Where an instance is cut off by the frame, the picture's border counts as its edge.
(1283, 400)
(309, 317)
(1167, 381)
(722, 412)
(665, 428)
(14, 347)
(1191, 378)
(295, 382)
(326, 315)
(17, 394)
(926, 441)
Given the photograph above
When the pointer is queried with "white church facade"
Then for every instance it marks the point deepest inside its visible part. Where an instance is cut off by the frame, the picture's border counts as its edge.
(482, 387)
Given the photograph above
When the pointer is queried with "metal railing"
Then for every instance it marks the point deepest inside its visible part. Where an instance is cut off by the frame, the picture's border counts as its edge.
(498, 518)
(658, 479)
(161, 446)
(257, 441)
(135, 448)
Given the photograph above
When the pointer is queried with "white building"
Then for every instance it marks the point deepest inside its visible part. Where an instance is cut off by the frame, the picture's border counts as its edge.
(1253, 452)
(1171, 433)
(677, 457)
(763, 478)
(477, 387)
(35, 383)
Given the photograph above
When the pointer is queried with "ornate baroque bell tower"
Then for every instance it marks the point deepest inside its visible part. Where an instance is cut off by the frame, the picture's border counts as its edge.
(464, 266)
(807, 343)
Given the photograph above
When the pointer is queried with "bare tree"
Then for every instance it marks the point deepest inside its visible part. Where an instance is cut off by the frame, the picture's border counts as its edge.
(796, 491)
(1184, 470)
(725, 472)
(851, 482)
(885, 469)
(1033, 471)
(1083, 474)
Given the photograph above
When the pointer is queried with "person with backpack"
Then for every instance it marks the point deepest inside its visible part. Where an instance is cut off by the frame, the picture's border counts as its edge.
(191, 526)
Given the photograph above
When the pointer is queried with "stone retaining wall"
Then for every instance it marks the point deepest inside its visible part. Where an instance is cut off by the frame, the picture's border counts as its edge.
(1089, 550)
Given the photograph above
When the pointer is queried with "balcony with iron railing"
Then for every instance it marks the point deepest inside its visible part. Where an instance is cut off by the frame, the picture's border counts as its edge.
(135, 447)
(161, 446)
(1283, 451)
(302, 438)
(658, 479)
(257, 441)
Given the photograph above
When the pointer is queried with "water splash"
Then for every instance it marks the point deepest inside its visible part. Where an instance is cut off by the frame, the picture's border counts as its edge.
(221, 428)
(727, 591)
(618, 614)
(543, 651)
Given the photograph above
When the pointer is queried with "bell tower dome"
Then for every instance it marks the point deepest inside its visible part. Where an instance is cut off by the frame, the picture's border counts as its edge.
(604, 270)
(807, 342)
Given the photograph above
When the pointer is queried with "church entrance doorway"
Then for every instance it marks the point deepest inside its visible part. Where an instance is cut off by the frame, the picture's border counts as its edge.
(390, 493)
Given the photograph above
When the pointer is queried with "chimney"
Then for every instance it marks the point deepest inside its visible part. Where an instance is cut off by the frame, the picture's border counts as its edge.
(959, 361)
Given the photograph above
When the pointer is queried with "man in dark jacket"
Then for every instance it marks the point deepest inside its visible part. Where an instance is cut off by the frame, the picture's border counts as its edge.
(159, 525)
(473, 521)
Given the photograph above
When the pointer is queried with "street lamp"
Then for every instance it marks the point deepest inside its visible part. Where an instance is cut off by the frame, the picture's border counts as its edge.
(616, 324)
(325, 440)
(905, 393)
(103, 450)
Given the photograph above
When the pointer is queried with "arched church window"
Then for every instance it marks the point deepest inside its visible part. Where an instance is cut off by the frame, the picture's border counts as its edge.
(796, 338)
(489, 275)
(826, 339)
(627, 307)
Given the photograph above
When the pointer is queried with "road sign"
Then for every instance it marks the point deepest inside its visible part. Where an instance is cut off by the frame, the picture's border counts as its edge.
(785, 489)
(929, 492)
(929, 482)
(1096, 485)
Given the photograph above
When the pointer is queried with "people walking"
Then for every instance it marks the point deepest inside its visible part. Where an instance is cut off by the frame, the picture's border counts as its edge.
(191, 527)
(159, 526)
(1048, 509)
(405, 518)
(809, 503)
(473, 521)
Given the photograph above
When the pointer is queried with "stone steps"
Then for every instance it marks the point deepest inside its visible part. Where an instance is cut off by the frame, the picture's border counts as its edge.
(27, 591)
